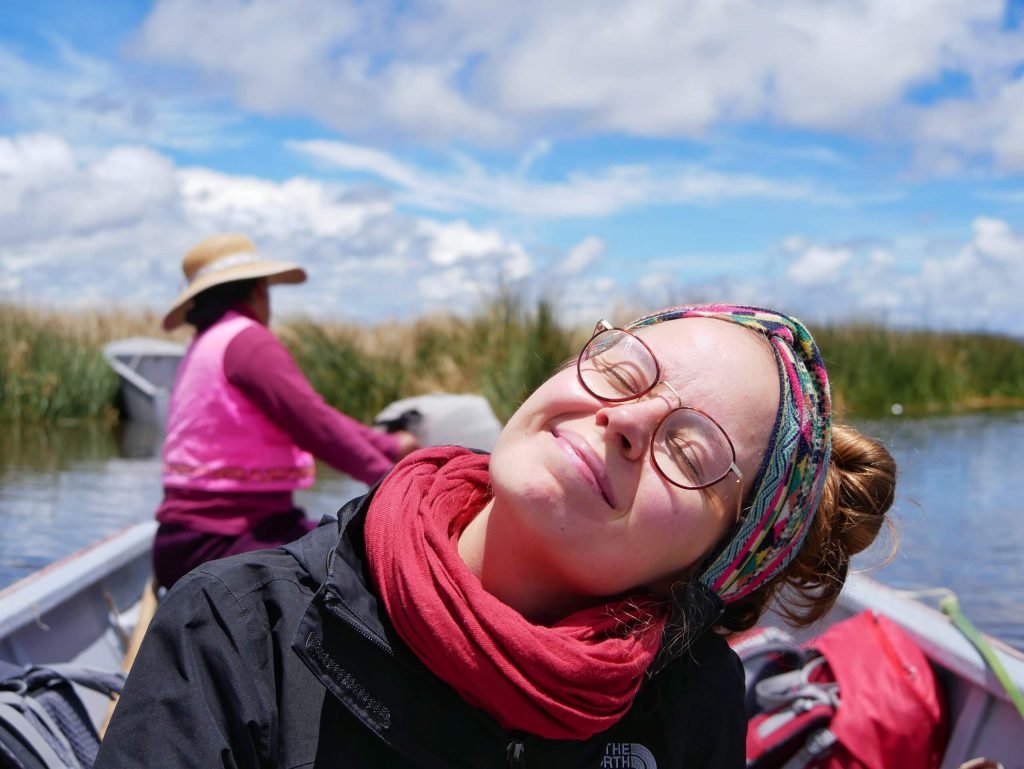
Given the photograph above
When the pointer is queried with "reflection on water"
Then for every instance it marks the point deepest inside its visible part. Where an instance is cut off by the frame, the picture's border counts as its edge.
(64, 488)
(52, 487)
(958, 505)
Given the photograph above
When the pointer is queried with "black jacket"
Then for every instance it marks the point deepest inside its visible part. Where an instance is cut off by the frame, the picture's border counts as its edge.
(284, 658)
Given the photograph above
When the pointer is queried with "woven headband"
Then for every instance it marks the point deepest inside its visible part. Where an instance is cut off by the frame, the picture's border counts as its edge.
(788, 485)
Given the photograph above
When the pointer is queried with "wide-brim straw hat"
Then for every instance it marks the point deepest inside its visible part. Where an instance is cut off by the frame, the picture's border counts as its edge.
(221, 259)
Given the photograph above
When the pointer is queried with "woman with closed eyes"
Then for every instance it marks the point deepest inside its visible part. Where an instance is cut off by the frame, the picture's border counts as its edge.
(562, 602)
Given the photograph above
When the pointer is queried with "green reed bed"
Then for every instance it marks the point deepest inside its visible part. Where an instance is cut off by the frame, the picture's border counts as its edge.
(48, 373)
(873, 369)
(51, 364)
(52, 370)
(503, 352)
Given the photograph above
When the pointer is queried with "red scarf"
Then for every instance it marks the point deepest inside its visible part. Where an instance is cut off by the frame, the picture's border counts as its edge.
(568, 681)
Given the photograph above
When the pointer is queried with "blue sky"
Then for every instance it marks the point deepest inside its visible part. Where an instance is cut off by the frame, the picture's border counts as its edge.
(849, 159)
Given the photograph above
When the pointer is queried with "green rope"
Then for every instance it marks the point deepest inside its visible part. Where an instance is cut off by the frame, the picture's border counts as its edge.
(950, 606)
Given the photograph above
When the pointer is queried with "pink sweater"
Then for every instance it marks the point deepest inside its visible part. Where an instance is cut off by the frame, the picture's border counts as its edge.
(260, 366)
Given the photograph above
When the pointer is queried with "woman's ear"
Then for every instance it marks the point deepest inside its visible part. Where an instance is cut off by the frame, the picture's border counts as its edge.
(259, 300)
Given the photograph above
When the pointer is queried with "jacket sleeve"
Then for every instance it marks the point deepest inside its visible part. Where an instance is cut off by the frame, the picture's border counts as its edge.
(199, 693)
(260, 366)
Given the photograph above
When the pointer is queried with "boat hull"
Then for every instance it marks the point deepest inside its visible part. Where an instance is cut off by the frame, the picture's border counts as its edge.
(146, 367)
(83, 609)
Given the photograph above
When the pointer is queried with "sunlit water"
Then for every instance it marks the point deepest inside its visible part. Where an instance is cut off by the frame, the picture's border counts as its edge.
(958, 508)
(960, 514)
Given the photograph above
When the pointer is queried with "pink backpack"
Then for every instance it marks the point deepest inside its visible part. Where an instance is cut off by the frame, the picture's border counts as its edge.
(860, 696)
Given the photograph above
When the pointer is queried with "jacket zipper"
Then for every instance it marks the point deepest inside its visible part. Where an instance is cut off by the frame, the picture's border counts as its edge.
(353, 622)
(515, 753)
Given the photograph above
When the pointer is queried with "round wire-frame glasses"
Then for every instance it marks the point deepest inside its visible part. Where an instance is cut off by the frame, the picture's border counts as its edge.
(689, 448)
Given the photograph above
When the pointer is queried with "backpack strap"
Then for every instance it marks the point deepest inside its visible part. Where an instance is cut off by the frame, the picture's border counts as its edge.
(783, 689)
(102, 681)
(818, 744)
(794, 713)
(33, 726)
(39, 705)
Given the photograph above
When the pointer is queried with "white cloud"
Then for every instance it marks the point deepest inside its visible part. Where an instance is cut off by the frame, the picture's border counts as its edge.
(354, 157)
(818, 264)
(989, 124)
(45, 188)
(82, 226)
(275, 210)
(94, 102)
(973, 285)
(451, 243)
(532, 73)
(78, 229)
(342, 63)
(996, 242)
(536, 70)
(34, 155)
(601, 192)
(582, 255)
(881, 257)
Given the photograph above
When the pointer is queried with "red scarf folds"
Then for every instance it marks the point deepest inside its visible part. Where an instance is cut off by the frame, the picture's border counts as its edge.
(568, 681)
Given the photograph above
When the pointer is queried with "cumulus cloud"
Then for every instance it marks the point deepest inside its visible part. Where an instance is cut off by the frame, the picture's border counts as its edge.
(81, 228)
(530, 73)
(98, 227)
(346, 64)
(973, 285)
(990, 124)
(45, 188)
(533, 70)
(94, 101)
(818, 264)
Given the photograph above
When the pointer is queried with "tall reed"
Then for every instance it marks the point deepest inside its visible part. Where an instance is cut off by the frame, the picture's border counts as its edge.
(503, 352)
(51, 368)
(876, 370)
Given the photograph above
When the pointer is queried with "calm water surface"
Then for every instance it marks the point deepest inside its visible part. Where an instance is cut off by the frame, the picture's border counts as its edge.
(958, 510)
(960, 514)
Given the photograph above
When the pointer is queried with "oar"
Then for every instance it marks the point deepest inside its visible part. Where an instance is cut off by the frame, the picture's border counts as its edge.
(147, 608)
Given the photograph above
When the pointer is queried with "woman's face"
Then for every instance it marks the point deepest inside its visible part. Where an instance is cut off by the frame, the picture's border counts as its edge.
(574, 478)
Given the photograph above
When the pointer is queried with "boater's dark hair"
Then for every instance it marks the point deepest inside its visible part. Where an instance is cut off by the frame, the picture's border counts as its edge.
(210, 305)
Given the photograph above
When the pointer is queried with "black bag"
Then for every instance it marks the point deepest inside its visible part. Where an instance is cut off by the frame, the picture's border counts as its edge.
(43, 723)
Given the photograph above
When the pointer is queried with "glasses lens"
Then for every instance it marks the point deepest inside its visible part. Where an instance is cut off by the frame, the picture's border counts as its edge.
(616, 366)
(691, 449)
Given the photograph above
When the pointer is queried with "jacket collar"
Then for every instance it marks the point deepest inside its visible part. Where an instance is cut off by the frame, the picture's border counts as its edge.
(348, 643)
(346, 640)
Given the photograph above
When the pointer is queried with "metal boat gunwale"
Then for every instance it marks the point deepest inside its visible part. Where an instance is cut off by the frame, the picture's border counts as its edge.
(983, 717)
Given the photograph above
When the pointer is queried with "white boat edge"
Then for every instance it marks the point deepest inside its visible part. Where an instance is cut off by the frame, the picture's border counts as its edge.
(935, 633)
(98, 588)
(98, 585)
(144, 400)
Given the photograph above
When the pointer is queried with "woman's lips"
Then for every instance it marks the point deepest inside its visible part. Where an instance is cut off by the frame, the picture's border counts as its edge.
(581, 450)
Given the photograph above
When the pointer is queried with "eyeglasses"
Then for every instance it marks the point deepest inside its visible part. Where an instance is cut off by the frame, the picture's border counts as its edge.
(689, 448)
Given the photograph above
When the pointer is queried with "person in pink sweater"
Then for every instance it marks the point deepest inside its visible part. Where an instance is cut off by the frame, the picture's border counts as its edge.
(243, 423)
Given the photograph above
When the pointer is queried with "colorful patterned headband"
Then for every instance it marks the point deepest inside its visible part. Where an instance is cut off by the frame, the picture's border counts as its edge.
(788, 485)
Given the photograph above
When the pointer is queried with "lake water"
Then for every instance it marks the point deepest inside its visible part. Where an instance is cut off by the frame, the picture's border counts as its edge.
(958, 510)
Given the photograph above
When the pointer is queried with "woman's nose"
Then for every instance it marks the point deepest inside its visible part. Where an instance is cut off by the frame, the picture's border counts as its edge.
(630, 426)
